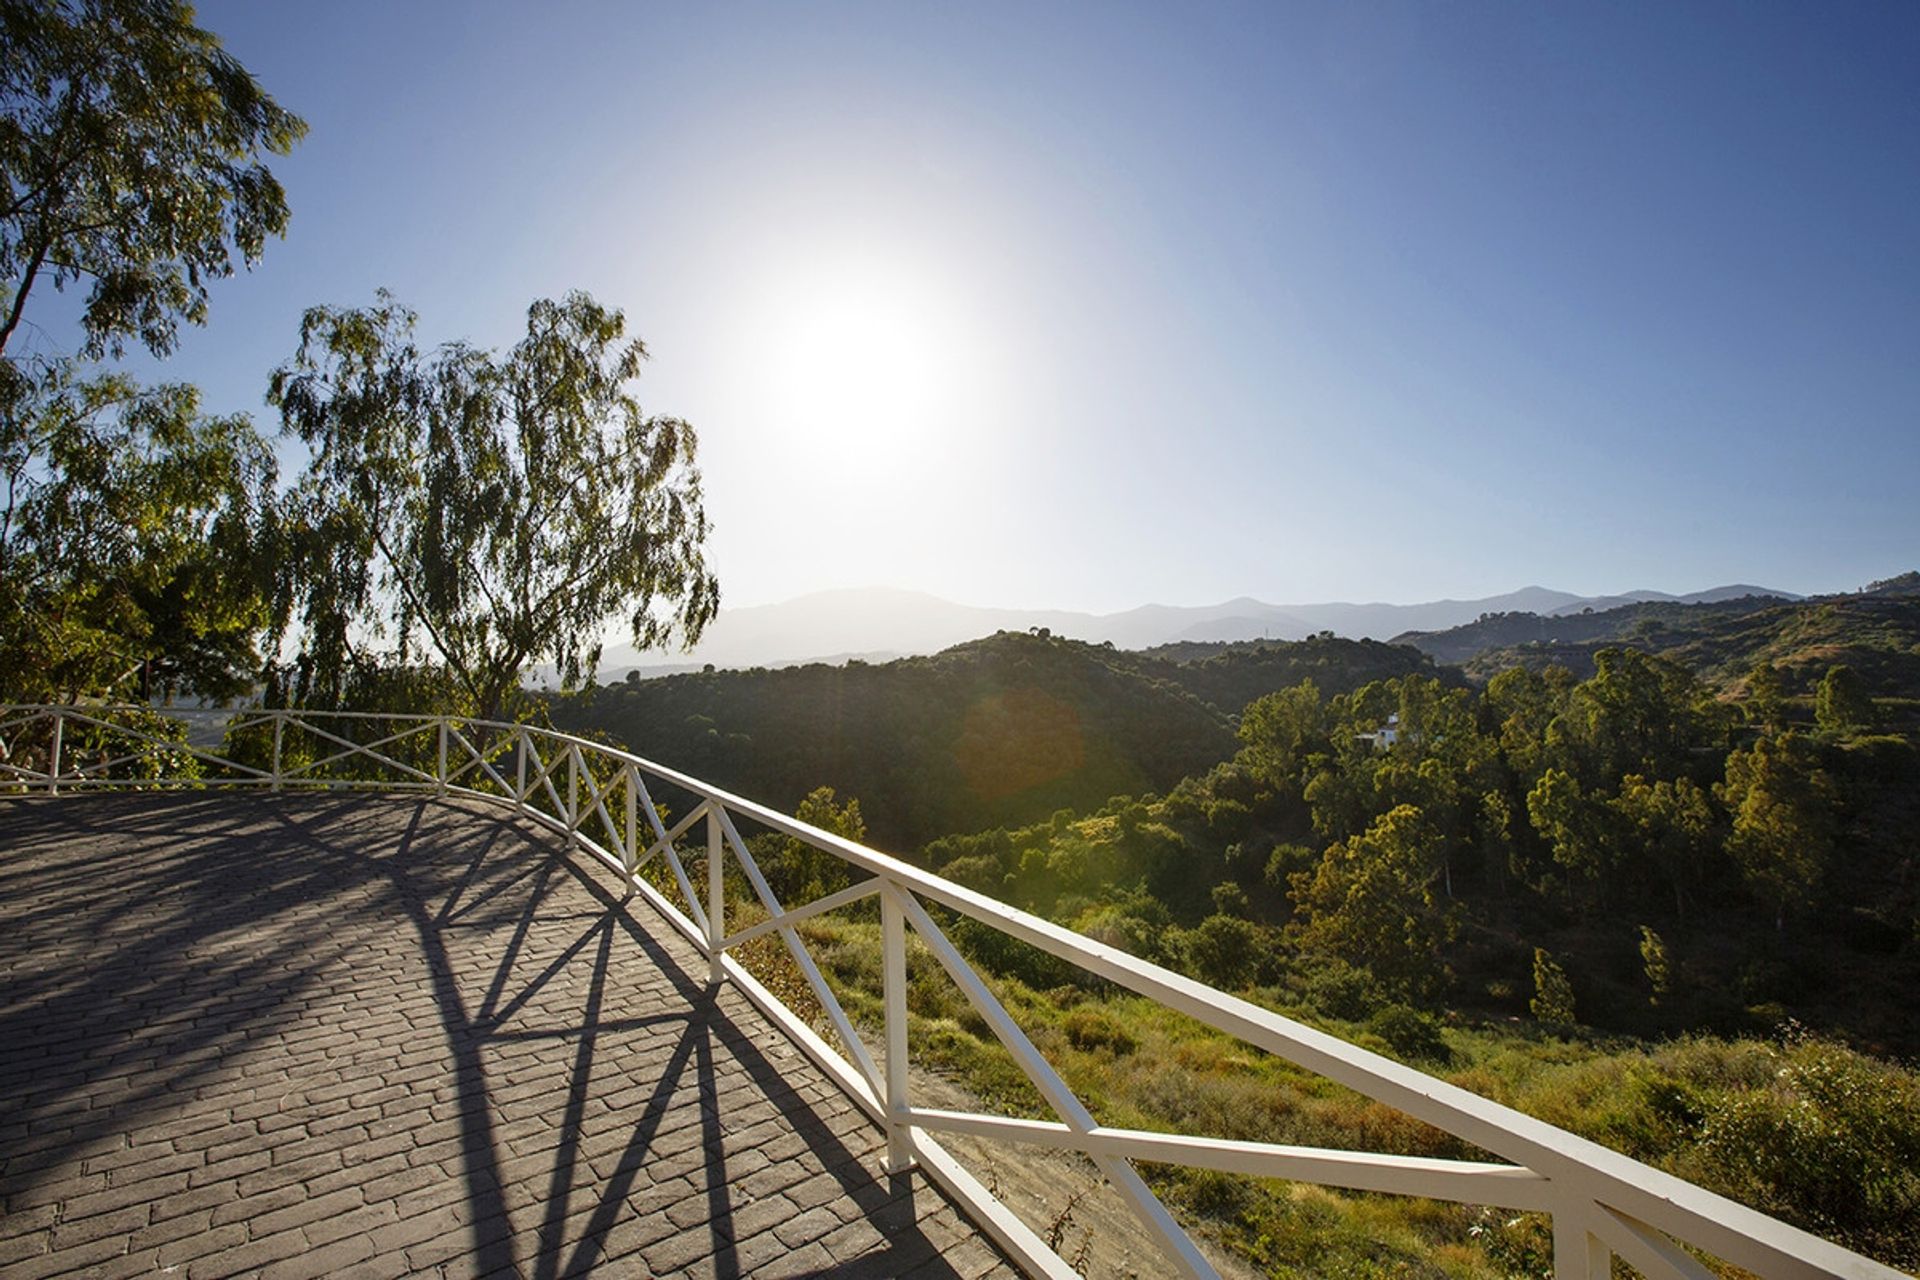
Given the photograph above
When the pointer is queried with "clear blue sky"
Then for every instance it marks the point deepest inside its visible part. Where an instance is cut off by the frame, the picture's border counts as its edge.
(1089, 306)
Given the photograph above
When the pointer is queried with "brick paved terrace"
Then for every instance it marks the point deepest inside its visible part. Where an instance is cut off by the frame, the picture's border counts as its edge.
(368, 1035)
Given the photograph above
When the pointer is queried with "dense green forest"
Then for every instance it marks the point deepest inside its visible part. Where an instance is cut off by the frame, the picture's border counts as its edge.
(1686, 860)
(1716, 835)
(1670, 900)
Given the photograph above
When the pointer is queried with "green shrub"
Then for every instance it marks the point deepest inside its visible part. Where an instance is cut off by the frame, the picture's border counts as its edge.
(1286, 861)
(1229, 899)
(1216, 1195)
(1340, 990)
(1657, 963)
(1411, 1033)
(1225, 951)
(1519, 1244)
(1090, 1031)
(1832, 1141)
(1008, 957)
(1120, 925)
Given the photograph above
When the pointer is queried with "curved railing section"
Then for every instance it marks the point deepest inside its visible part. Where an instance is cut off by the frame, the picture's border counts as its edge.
(603, 801)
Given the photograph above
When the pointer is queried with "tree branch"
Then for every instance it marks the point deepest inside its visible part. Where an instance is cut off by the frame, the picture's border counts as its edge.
(426, 617)
(19, 306)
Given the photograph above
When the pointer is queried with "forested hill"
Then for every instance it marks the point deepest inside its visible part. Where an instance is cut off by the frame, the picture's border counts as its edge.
(1876, 632)
(1002, 730)
(1231, 674)
(997, 730)
(1628, 623)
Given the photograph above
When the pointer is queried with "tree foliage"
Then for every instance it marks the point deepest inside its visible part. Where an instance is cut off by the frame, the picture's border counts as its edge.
(929, 744)
(1372, 902)
(126, 541)
(1669, 826)
(1144, 858)
(1575, 825)
(1282, 729)
(1657, 963)
(130, 147)
(1225, 951)
(479, 512)
(1842, 705)
(1781, 803)
(797, 871)
(1637, 714)
(1552, 1001)
(1766, 701)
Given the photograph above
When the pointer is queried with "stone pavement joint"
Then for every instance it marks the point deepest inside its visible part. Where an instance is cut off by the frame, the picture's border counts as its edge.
(354, 1034)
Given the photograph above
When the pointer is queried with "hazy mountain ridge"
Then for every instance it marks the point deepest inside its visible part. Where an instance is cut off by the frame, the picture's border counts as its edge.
(890, 621)
(1713, 595)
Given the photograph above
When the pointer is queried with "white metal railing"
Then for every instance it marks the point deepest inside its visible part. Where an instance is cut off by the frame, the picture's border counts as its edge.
(1602, 1203)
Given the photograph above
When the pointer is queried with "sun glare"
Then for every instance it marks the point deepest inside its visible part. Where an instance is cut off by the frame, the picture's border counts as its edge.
(862, 359)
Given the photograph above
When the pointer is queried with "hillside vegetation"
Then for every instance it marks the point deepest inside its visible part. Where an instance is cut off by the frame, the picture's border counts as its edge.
(1006, 729)
(985, 733)
(1497, 632)
(1231, 674)
(1874, 632)
(1672, 903)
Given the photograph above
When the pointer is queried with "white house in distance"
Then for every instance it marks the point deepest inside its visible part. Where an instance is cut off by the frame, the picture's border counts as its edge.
(1385, 736)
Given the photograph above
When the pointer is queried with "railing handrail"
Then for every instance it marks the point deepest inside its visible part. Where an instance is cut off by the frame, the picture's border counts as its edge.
(1601, 1201)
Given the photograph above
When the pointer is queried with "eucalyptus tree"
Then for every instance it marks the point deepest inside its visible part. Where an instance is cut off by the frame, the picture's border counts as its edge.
(131, 149)
(130, 161)
(1782, 804)
(475, 512)
(1372, 899)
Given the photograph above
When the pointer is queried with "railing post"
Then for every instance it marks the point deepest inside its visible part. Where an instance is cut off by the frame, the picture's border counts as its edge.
(520, 765)
(53, 760)
(716, 898)
(1578, 1254)
(630, 854)
(893, 941)
(573, 797)
(279, 730)
(440, 770)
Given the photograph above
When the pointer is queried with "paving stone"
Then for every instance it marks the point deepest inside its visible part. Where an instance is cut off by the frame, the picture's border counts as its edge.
(167, 1230)
(144, 1263)
(256, 1253)
(120, 1222)
(80, 1257)
(202, 1243)
(811, 1225)
(374, 1036)
(306, 1211)
(321, 1259)
(21, 1247)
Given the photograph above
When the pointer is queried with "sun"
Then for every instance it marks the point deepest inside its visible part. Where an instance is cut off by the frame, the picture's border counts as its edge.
(862, 355)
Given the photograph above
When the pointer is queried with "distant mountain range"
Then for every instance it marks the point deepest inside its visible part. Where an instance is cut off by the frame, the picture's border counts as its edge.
(878, 623)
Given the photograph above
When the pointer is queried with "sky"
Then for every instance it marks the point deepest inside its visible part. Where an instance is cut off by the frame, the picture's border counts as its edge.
(1052, 305)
